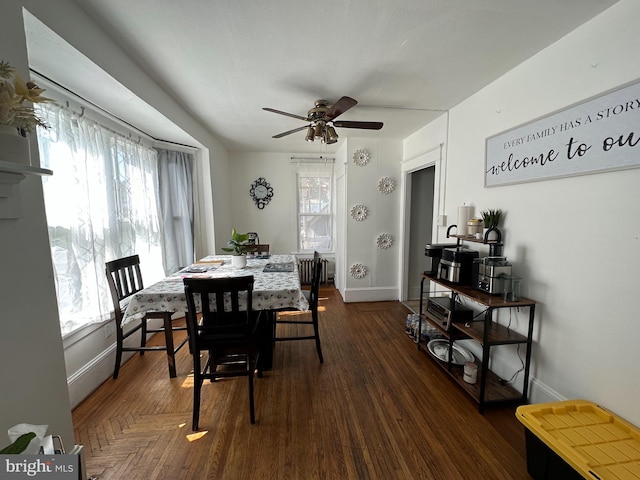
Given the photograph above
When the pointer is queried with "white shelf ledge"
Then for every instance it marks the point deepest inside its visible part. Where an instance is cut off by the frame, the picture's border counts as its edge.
(11, 174)
(11, 167)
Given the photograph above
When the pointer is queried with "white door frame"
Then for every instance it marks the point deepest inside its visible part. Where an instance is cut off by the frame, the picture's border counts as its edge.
(428, 158)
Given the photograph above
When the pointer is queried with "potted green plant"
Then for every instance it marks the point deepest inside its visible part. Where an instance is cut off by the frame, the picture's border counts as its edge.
(491, 220)
(238, 245)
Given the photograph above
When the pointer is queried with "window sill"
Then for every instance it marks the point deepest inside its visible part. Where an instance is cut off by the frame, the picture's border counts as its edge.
(78, 334)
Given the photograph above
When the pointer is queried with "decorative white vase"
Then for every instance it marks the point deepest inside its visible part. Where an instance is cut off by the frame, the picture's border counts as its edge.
(13, 146)
(239, 261)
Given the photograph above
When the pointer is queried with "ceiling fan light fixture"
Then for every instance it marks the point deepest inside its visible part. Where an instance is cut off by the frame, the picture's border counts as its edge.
(331, 135)
(309, 137)
(322, 120)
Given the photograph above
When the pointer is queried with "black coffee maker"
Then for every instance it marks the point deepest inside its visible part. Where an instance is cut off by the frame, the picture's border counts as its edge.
(434, 252)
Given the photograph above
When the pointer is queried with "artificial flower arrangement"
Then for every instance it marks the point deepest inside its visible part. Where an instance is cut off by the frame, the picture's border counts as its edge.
(14, 91)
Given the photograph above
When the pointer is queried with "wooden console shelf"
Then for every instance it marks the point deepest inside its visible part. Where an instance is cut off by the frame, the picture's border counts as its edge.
(495, 246)
(468, 238)
(489, 388)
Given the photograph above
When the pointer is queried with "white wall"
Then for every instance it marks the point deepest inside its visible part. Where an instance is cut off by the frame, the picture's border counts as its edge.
(273, 222)
(275, 226)
(574, 240)
(340, 277)
(381, 281)
(33, 385)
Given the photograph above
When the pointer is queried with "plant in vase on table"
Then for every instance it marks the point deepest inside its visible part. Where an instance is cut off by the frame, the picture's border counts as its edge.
(17, 118)
(239, 246)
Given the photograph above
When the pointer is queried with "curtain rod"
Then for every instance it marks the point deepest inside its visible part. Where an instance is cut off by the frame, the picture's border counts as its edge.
(319, 159)
(109, 114)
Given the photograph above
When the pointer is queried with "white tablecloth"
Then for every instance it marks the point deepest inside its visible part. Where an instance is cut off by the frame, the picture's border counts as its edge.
(271, 291)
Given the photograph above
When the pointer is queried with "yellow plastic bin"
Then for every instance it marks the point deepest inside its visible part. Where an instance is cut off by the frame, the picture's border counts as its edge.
(579, 439)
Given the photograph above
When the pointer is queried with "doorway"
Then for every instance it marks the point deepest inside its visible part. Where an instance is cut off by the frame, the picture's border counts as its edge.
(420, 194)
(420, 230)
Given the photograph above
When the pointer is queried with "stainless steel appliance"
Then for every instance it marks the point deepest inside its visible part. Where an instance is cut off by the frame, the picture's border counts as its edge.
(456, 265)
(445, 310)
(434, 252)
(491, 273)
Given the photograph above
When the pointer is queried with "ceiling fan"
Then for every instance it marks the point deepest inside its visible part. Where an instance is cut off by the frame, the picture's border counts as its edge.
(322, 120)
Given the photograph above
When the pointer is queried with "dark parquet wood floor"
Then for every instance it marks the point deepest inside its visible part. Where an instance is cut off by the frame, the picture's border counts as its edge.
(376, 409)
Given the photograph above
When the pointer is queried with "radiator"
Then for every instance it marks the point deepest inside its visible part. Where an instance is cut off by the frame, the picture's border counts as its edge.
(305, 267)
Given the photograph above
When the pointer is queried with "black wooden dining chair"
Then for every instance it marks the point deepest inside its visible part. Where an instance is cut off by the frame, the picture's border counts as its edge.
(125, 279)
(228, 332)
(260, 249)
(293, 319)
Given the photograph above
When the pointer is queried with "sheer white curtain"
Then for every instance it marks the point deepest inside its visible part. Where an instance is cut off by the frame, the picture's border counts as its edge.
(101, 204)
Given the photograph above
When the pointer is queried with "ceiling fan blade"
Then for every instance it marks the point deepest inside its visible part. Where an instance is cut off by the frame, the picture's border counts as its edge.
(304, 119)
(365, 125)
(338, 108)
(280, 135)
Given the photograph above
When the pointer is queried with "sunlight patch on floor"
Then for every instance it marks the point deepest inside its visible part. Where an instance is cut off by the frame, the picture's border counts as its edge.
(298, 313)
(188, 381)
(192, 437)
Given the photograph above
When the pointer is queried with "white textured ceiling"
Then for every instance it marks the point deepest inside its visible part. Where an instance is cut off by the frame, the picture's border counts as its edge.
(404, 61)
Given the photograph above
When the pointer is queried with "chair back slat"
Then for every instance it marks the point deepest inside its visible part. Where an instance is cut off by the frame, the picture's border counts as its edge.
(315, 281)
(225, 294)
(261, 248)
(235, 303)
(125, 278)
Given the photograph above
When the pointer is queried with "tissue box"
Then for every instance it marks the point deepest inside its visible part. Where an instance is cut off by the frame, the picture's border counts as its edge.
(21, 428)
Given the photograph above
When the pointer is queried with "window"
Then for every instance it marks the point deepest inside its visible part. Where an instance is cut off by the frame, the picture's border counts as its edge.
(315, 206)
(103, 202)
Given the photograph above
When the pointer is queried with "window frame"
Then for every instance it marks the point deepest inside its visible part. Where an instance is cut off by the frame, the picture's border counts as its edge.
(93, 315)
(313, 169)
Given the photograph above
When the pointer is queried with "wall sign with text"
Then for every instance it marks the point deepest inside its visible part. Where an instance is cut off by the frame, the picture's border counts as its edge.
(598, 135)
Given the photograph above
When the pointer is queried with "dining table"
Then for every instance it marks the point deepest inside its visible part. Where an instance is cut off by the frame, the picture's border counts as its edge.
(276, 288)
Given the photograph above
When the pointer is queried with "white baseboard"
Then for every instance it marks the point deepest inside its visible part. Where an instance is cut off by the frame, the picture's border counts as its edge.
(374, 294)
(93, 374)
(504, 362)
(99, 368)
(542, 393)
